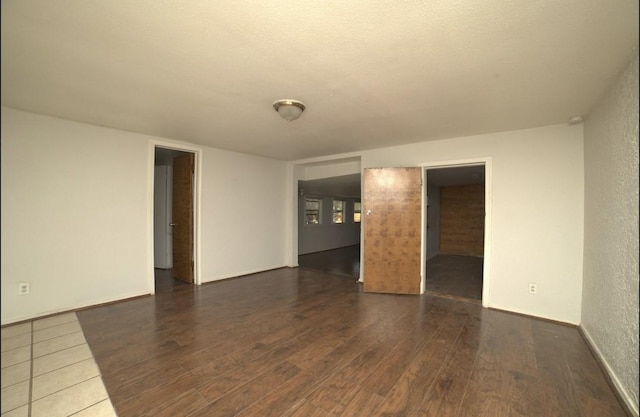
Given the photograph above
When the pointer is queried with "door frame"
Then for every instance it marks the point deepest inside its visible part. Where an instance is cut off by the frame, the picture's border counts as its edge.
(197, 198)
(296, 171)
(488, 184)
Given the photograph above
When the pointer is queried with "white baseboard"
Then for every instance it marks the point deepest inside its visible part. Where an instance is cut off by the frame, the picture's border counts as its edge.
(243, 273)
(617, 385)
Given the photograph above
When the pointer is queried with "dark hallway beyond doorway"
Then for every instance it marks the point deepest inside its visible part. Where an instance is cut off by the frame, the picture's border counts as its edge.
(456, 276)
(165, 282)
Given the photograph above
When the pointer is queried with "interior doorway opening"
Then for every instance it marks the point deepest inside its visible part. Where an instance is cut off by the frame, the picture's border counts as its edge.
(329, 216)
(455, 213)
(173, 218)
(327, 201)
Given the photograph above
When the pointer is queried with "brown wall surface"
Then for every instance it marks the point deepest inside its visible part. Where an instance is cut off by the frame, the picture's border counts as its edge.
(462, 220)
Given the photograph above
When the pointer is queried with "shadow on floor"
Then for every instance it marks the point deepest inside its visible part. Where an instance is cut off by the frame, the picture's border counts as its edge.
(450, 275)
(341, 261)
(455, 275)
(165, 282)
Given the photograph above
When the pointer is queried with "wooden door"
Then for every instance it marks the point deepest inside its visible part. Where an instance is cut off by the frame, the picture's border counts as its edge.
(392, 207)
(161, 218)
(182, 207)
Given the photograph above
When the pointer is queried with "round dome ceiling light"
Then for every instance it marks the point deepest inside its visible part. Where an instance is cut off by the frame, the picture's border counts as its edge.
(288, 109)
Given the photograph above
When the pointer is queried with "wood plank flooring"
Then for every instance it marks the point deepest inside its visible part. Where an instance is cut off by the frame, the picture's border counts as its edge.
(297, 342)
(341, 261)
(455, 275)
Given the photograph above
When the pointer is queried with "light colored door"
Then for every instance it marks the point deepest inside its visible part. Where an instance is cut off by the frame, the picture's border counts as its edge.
(162, 217)
(182, 217)
(392, 207)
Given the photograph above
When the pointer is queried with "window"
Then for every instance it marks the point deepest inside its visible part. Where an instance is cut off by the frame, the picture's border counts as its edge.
(312, 210)
(338, 211)
(357, 210)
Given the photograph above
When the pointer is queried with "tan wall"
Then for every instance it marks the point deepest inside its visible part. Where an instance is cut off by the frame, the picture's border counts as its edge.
(462, 220)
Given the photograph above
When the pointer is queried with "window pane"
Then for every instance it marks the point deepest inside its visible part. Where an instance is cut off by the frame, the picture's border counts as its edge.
(312, 210)
(338, 210)
(357, 209)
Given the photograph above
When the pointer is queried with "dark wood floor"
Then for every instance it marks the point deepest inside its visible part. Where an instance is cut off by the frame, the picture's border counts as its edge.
(166, 282)
(447, 275)
(296, 342)
(455, 275)
(341, 261)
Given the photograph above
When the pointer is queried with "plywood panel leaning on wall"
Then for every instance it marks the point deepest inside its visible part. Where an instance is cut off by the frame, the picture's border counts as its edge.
(462, 220)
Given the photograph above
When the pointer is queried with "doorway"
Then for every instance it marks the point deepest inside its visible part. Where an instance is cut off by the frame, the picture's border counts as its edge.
(455, 213)
(329, 211)
(173, 218)
(301, 172)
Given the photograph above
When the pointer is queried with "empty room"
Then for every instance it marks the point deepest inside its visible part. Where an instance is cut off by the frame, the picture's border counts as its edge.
(291, 209)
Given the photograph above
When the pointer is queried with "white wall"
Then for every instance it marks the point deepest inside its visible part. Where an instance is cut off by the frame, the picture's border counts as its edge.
(610, 288)
(74, 215)
(309, 239)
(76, 206)
(537, 212)
(346, 166)
(327, 235)
(243, 214)
(73, 193)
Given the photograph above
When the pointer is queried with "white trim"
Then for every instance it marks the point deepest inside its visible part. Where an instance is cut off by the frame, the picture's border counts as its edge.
(423, 234)
(292, 214)
(624, 394)
(197, 151)
(361, 273)
(456, 162)
(487, 162)
(333, 159)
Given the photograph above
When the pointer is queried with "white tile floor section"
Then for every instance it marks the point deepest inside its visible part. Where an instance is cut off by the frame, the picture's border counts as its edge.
(48, 371)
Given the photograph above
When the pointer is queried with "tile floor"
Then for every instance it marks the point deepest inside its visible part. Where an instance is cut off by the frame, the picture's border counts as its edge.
(49, 370)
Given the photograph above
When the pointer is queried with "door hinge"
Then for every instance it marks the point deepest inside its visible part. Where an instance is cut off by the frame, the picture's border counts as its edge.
(192, 265)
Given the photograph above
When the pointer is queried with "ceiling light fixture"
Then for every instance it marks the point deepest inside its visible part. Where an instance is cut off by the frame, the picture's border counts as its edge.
(289, 109)
(575, 120)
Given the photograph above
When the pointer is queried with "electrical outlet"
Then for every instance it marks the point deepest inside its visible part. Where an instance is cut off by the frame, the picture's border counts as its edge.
(23, 288)
(532, 288)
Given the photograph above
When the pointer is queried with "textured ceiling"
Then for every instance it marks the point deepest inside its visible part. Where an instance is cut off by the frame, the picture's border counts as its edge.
(372, 73)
